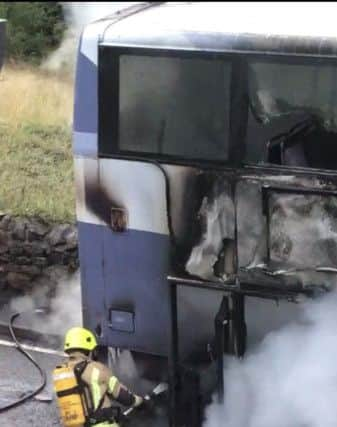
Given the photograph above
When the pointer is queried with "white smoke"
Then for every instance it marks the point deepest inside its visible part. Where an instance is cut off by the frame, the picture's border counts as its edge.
(64, 306)
(289, 380)
(77, 16)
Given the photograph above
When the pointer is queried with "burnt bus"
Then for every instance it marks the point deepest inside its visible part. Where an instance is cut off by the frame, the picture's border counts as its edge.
(205, 165)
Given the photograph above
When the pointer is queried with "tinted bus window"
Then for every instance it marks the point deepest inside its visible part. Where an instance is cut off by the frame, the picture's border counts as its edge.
(293, 114)
(173, 107)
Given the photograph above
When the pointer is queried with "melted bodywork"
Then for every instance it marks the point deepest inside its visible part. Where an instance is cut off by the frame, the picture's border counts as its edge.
(221, 229)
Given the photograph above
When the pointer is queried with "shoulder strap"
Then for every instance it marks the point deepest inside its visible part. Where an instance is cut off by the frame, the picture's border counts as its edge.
(79, 369)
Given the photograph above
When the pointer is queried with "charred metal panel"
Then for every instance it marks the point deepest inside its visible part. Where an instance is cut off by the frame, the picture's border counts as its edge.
(217, 226)
(303, 230)
(235, 239)
(251, 223)
(217, 220)
(284, 243)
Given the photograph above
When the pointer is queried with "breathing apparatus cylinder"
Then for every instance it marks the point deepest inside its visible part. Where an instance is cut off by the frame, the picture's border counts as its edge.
(70, 399)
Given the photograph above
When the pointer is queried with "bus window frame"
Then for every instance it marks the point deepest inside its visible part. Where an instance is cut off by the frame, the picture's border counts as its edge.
(237, 145)
(287, 59)
(108, 111)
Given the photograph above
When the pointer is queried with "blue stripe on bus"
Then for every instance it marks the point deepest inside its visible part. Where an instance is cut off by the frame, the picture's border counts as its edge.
(127, 272)
(85, 144)
(85, 110)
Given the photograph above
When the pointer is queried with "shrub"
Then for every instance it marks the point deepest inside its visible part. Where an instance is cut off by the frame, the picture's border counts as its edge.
(33, 29)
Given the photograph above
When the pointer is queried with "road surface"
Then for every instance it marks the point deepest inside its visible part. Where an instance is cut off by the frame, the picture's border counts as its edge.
(18, 375)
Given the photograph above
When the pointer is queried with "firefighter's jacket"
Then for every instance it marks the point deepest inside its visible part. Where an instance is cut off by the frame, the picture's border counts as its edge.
(100, 381)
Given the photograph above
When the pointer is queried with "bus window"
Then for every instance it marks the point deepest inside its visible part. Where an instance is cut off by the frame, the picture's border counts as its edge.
(293, 114)
(172, 107)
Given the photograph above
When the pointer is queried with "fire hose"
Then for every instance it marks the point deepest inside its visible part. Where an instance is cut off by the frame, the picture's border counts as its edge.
(159, 389)
(43, 375)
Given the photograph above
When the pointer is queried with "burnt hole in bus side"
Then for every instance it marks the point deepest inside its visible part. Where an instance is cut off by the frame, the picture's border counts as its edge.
(202, 213)
(297, 230)
(189, 225)
(225, 264)
(293, 113)
(315, 149)
(211, 257)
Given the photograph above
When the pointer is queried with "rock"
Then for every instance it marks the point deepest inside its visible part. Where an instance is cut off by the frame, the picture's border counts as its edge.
(16, 249)
(30, 270)
(31, 249)
(3, 282)
(3, 249)
(55, 258)
(19, 230)
(5, 223)
(4, 259)
(37, 229)
(4, 242)
(23, 260)
(18, 280)
(4, 238)
(60, 248)
(71, 237)
(38, 248)
(59, 234)
(40, 261)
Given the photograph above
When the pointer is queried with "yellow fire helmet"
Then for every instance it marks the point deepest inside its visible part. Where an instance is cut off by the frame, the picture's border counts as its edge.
(79, 338)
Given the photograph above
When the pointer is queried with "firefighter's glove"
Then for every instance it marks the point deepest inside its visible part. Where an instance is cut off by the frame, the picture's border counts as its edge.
(138, 401)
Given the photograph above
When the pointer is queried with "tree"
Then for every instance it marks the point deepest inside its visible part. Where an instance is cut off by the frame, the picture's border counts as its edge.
(33, 29)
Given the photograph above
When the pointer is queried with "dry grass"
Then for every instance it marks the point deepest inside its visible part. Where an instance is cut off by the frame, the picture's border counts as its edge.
(36, 166)
(35, 96)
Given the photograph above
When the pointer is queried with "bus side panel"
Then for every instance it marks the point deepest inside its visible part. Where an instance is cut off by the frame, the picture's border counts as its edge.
(125, 273)
(136, 291)
(136, 259)
(92, 281)
(85, 108)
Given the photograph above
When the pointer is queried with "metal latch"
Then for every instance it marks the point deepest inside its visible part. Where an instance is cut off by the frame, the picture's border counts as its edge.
(119, 219)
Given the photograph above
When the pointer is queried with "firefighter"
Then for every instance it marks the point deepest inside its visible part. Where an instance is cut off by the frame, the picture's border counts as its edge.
(90, 397)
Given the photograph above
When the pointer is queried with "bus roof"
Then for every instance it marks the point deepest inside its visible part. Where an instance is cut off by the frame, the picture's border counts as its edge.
(290, 28)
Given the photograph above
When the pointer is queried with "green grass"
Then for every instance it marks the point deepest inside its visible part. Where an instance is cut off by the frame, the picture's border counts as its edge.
(36, 162)
(36, 171)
